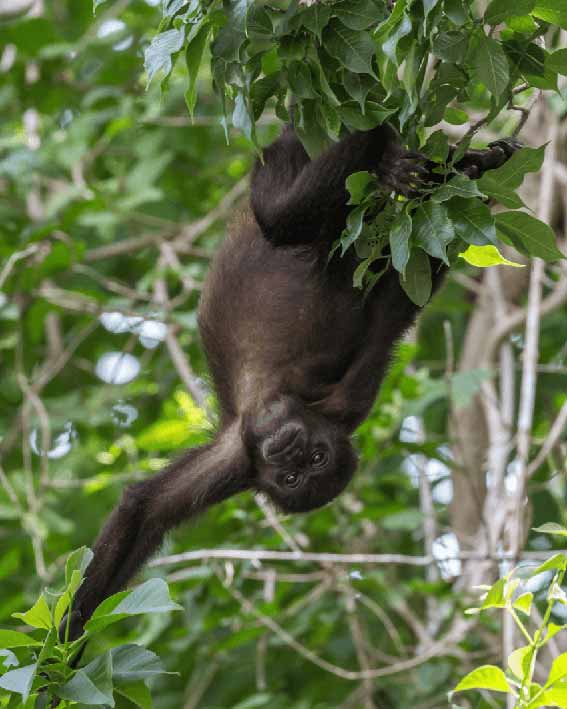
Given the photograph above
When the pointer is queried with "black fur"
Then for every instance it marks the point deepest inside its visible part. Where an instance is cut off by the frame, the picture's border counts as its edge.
(296, 354)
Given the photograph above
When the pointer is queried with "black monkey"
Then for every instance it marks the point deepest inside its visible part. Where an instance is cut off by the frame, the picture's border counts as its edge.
(295, 352)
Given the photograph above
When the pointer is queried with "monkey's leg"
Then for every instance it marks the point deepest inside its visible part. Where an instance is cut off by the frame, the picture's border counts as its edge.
(136, 527)
(476, 162)
(313, 205)
(391, 314)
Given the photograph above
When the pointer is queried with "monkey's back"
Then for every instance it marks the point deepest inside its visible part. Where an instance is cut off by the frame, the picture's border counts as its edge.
(273, 322)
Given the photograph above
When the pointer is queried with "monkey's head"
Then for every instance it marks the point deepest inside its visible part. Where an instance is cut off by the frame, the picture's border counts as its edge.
(302, 460)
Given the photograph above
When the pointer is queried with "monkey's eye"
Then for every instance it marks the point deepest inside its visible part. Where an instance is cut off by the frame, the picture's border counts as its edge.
(318, 458)
(292, 480)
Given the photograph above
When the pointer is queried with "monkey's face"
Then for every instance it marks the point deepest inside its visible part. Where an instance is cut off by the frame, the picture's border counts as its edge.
(302, 460)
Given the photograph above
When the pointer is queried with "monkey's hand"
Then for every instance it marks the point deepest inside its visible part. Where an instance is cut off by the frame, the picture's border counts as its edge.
(402, 171)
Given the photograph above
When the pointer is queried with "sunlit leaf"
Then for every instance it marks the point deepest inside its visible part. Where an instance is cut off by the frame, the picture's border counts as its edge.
(38, 616)
(519, 661)
(485, 677)
(486, 256)
(12, 638)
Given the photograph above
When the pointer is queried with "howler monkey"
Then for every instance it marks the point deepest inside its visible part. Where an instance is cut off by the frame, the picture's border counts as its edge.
(296, 354)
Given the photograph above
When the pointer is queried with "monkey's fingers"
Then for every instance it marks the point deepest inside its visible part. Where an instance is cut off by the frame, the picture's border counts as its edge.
(406, 174)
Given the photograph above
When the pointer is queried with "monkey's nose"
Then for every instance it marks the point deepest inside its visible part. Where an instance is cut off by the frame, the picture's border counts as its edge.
(288, 442)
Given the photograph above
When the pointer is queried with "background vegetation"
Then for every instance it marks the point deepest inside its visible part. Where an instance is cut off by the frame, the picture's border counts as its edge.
(114, 201)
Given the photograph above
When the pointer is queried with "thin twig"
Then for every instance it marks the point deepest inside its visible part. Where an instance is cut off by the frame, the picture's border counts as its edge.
(330, 558)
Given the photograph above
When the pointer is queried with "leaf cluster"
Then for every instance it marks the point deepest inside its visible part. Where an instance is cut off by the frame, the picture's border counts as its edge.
(38, 668)
(351, 65)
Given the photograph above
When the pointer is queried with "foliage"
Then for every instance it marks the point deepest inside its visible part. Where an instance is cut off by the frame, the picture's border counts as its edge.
(112, 204)
(39, 666)
(350, 65)
(510, 594)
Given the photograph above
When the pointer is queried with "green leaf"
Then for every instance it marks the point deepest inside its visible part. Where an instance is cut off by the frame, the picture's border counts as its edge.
(502, 194)
(437, 147)
(456, 12)
(524, 24)
(556, 697)
(528, 58)
(456, 116)
(558, 670)
(353, 49)
(77, 560)
(429, 5)
(486, 256)
(496, 596)
(529, 235)
(519, 661)
(19, 680)
(400, 233)
(358, 86)
(64, 601)
(553, 11)
(557, 62)
(262, 90)
(458, 186)
(417, 281)
(390, 45)
(316, 19)
(300, 79)
(485, 677)
(490, 65)
(138, 694)
(193, 58)
(524, 603)
(353, 229)
(360, 14)
(433, 230)
(12, 638)
(157, 55)
(501, 10)
(150, 597)
(91, 684)
(511, 175)
(552, 528)
(38, 616)
(553, 629)
(374, 115)
(241, 116)
(358, 186)
(473, 221)
(450, 46)
(557, 561)
(133, 662)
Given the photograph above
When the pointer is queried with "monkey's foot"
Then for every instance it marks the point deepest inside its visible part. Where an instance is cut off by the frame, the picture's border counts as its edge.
(403, 172)
(476, 162)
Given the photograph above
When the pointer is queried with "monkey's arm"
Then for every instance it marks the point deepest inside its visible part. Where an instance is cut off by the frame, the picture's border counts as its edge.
(296, 200)
(135, 529)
